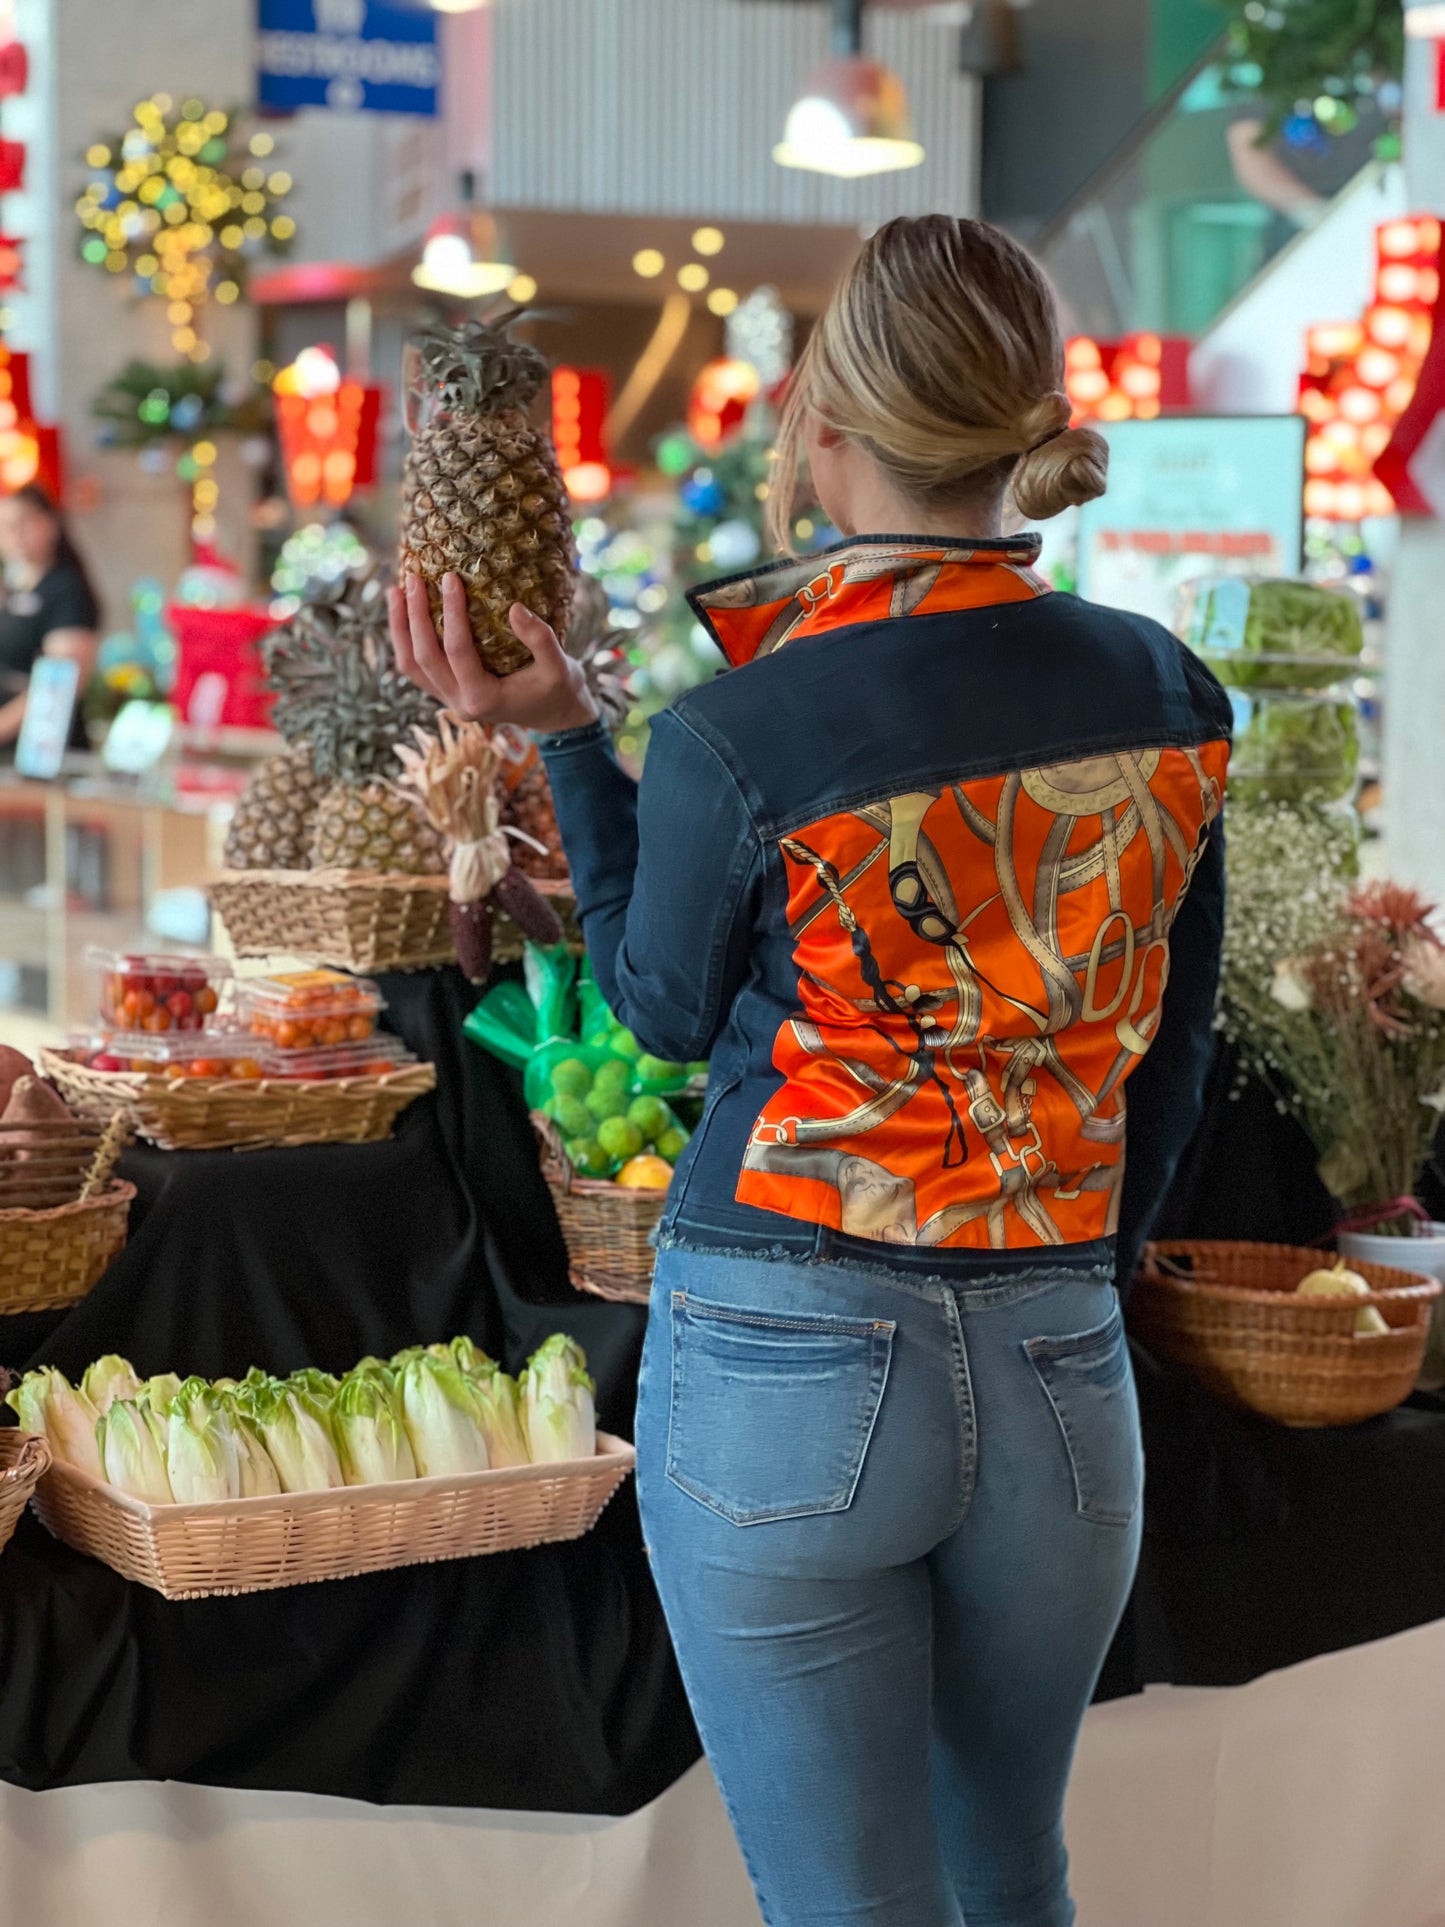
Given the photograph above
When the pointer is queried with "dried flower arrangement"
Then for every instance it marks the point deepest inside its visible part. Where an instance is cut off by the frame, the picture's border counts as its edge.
(1333, 994)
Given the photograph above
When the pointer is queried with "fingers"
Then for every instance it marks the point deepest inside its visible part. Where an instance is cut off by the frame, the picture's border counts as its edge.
(400, 631)
(478, 690)
(433, 670)
(539, 637)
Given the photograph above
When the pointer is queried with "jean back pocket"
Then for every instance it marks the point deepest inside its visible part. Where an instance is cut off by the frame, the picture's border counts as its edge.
(771, 1416)
(1091, 1389)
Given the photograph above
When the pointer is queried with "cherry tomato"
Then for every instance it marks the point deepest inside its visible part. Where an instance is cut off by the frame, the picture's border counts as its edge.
(165, 986)
(156, 1022)
(103, 1061)
(205, 998)
(175, 1071)
(291, 1036)
(331, 1031)
(180, 1004)
(358, 1029)
(207, 1067)
(246, 1067)
(193, 980)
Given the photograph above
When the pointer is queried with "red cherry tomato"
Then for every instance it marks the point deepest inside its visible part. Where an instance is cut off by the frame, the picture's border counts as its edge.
(180, 1004)
(103, 1061)
(164, 986)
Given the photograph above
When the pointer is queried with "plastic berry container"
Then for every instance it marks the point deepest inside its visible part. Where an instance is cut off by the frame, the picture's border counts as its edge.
(309, 1010)
(373, 1057)
(219, 1055)
(148, 994)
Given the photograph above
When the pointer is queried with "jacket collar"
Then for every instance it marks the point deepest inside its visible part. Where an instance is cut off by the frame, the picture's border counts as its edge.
(867, 578)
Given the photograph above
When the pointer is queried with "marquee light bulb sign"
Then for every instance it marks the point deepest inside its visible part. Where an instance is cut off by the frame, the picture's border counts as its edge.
(1360, 376)
(579, 410)
(327, 427)
(1130, 380)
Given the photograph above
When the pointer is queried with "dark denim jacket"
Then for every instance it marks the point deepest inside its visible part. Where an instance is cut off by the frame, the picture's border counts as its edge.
(929, 877)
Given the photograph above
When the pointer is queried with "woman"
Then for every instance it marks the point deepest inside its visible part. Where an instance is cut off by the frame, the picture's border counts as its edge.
(49, 607)
(915, 876)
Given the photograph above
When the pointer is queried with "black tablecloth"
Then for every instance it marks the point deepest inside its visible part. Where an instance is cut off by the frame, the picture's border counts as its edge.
(544, 1679)
(538, 1679)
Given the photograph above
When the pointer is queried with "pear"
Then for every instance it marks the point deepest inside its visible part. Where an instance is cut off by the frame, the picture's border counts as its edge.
(1338, 1281)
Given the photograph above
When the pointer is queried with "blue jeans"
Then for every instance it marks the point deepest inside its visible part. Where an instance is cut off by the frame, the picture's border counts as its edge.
(893, 1521)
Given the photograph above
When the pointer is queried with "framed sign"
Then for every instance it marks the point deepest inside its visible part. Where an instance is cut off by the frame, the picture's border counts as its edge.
(1193, 495)
(372, 56)
(49, 706)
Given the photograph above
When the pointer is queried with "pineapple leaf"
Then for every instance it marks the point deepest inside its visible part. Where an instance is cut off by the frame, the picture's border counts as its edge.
(477, 369)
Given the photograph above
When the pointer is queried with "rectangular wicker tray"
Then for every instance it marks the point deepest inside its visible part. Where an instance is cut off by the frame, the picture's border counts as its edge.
(253, 1545)
(241, 1114)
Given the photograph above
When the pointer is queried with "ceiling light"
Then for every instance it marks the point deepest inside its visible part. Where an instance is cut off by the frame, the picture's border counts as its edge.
(457, 6)
(708, 240)
(851, 119)
(693, 276)
(522, 288)
(722, 301)
(648, 262)
(465, 255)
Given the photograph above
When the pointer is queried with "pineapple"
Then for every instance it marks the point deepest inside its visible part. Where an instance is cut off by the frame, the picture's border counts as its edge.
(272, 823)
(338, 692)
(482, 493)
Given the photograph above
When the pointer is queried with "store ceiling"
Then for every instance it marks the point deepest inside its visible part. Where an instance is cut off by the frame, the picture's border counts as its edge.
(588, 257)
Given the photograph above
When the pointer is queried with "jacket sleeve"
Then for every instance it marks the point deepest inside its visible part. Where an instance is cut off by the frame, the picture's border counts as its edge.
(1166, 1093)
(667, 877)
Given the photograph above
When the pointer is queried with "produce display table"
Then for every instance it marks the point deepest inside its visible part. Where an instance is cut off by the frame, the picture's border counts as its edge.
(544, 1679)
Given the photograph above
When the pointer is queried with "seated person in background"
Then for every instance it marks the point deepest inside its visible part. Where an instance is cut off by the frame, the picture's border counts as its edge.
(47, 607)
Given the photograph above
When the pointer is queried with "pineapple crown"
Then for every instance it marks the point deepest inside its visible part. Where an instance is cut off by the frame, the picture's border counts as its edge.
(336, 687)
(477, 369)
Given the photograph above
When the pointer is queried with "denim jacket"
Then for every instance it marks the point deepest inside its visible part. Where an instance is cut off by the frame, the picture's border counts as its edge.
(934, 877)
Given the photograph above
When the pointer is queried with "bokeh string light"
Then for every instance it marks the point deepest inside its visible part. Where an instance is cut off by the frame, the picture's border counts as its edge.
(184, 203)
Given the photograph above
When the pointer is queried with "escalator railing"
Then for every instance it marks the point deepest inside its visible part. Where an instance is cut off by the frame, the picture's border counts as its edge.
(1179, 220)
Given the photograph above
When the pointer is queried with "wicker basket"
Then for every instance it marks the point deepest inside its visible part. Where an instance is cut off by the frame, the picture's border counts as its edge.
(607, 1228)
(355, 920)
(23, 1457)
(253, 1545)
(1229, 1313)
(242, 1114)
(63, 1215)
(348, 919)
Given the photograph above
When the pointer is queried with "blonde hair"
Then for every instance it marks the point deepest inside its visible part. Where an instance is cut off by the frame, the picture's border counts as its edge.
(940, 354)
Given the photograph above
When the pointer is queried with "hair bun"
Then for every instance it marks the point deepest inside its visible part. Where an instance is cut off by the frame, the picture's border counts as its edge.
(1069, 466)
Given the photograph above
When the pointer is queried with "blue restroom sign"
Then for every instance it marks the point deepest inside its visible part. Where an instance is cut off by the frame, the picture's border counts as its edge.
(369, 56)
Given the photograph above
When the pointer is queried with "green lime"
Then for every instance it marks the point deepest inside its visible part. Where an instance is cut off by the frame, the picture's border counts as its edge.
(588, 1157)
(572, 1116)
(624, 1044)
(657, 1070)
(671, 1145)
(605, 1101)
(619, 1138)
(571, 1078)
(614, 1075)
(651, 1116)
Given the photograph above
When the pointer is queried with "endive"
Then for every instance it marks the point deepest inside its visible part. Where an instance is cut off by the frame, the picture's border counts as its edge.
(557, 1402)
(108, 1379)
(297, 1441)
(440, 1410)
(47, 1402)
(203, 1459)
(133, 1445)
(499, 1405)
(370, 1434)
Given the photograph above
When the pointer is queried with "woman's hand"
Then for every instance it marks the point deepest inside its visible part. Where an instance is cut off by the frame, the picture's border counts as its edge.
(549, 695)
